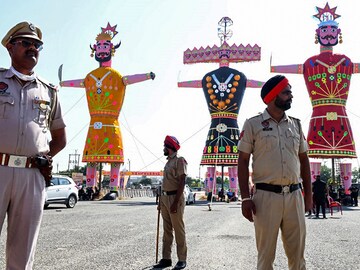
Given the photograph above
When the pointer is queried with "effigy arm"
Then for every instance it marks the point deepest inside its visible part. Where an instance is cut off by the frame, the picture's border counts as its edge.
(254, 84)
(70, 83)
(73, 83)
(130, 79)
(294, 69)
(190, 84)
(356, 68)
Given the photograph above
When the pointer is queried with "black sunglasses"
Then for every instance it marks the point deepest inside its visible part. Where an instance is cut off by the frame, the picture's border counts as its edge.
(26, 44)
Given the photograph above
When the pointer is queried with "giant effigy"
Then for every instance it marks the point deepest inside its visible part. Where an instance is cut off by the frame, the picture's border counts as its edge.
(327, 77)
(224, 90)
(105, 91)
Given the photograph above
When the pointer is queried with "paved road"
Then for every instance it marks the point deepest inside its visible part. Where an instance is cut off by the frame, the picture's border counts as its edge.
(106, 235)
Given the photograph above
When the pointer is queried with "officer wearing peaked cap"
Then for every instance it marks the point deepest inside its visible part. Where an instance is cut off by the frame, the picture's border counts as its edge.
(22, 30)
(29, 110)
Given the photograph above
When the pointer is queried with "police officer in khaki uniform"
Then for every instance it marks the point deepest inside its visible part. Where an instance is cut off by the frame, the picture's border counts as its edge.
(172, 205)
(29, 109)
(279, 159)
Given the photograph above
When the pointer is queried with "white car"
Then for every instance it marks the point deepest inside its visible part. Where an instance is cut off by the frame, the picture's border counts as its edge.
(62, 190)
(189, 195)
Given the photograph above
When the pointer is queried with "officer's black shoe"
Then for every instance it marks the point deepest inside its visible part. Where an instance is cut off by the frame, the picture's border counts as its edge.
(180, 265)
(163, 263)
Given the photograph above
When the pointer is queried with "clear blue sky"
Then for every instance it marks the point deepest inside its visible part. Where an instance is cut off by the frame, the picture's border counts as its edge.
(154, 35)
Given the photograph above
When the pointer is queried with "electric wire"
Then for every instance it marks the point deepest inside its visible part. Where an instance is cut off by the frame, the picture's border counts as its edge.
(132, 136)
(73, 106)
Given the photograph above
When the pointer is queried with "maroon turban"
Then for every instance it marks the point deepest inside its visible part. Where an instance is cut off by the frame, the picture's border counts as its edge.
(172, 143)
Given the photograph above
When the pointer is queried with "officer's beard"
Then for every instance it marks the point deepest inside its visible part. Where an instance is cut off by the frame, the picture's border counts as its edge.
(283, 105)
(166, 152)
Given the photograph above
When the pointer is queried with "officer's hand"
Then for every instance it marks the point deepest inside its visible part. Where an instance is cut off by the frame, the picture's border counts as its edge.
(308, 203)
(173, 208)
(248, 210)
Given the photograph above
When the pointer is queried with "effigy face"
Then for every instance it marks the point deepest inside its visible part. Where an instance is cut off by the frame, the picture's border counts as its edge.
(328, 35)
(224, 90)
(103, 51)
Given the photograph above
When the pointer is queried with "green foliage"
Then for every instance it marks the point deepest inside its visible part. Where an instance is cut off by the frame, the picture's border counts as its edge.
(145, 182)
(356, 175)
(325, 174)
(193, 182)
(106, 181)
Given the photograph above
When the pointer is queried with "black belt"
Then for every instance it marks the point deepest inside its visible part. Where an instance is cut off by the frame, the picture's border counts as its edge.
(169, 192)
(278, 188)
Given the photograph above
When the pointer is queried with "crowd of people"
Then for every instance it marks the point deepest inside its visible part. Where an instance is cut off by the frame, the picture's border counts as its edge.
(88, 193)
(324, 194)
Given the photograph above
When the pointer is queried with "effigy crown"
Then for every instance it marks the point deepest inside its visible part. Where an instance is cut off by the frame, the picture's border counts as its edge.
(107, 33)
(327, 16)
(234, 53)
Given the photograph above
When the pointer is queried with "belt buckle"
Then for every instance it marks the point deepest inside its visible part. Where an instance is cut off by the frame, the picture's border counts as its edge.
(164, 193)
(285, 189)
(17, 161)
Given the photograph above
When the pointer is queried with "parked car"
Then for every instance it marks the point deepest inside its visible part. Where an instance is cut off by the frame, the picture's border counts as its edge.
(62, 190)
(189, 195)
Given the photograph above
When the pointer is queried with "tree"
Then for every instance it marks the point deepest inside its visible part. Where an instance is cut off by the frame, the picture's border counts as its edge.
(192, 182)
(145, 181)
(356, 175)
(325, 173)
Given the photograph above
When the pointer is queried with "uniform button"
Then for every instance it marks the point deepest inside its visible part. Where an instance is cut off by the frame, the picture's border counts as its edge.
(284, 162)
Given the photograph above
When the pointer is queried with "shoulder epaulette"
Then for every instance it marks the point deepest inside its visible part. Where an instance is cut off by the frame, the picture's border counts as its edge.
(293, 118)
(255, 116)
(49, 84)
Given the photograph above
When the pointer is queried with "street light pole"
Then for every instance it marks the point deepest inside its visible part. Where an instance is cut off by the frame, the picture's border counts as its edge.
(129, 170)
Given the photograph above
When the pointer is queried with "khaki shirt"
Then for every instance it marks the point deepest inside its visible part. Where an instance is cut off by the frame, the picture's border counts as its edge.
(24, 114)
(275, 148)
(174, 168)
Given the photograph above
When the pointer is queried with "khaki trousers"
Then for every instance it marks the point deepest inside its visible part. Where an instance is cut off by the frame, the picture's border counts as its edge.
(22, 194)
(173, 221)
(285, 212)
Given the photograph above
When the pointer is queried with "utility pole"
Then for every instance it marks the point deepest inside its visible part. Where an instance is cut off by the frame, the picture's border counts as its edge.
(100, 175)
(129, 171)
(74, 159)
